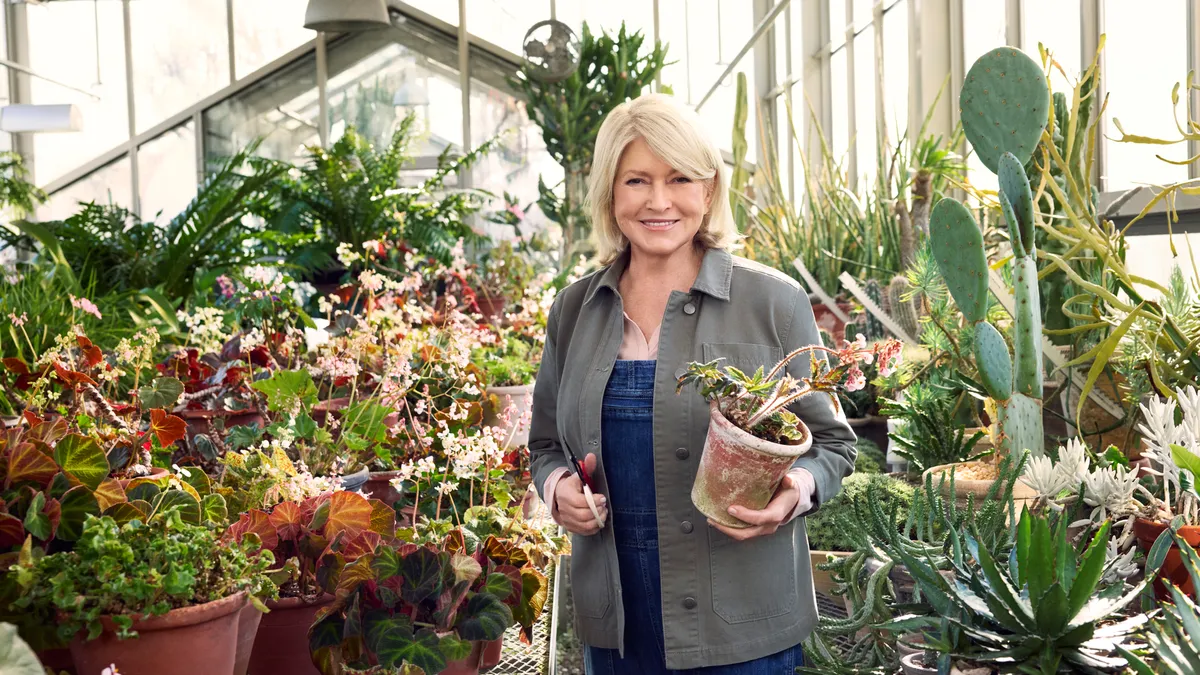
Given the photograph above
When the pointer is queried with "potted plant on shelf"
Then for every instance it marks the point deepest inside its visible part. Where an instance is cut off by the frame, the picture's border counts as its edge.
(310, 540)
(184, 599)
(753, 439)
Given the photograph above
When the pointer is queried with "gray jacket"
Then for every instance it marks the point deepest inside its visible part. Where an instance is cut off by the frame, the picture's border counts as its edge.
(724, 601)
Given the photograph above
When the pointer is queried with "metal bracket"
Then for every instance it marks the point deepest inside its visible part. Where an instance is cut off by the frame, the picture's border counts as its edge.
(813, 286)
(888, 322)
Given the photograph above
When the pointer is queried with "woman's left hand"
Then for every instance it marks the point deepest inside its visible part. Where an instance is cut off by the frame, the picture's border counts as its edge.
(777, 512)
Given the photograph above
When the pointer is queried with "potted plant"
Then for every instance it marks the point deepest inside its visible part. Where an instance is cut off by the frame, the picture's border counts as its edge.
(310, 540)
(510, 365)
(172, 585)
(753, 439)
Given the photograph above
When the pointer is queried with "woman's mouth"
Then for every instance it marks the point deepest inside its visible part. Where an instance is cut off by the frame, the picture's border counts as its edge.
(659, 224)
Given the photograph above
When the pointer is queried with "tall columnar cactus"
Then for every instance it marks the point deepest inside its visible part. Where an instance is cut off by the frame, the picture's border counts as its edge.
(1004, 106)
(906, 313)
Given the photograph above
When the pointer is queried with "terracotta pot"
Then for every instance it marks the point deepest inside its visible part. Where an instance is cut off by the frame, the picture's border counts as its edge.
(521, 398)
(282, 643)
(492, 651)
(468, 665)
(491, 307)
(155, 472)
(827, 320)
(1022, 493)
(199, 421)
(59, 660)
(379, 486)
(248, 621)
(1173, 569)
(737, 468)
(245, 419)
(913, 664)
(197, 640)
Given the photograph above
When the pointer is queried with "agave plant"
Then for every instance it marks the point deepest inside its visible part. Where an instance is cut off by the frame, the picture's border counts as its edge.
(1045, 610)
(1174, 638)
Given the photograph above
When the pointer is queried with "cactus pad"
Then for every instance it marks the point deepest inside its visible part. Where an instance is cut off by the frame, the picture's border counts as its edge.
(1027, 329)
(993, 361)
(958, 248)
(1004, 105)
(1014, 185)
(1021, 424)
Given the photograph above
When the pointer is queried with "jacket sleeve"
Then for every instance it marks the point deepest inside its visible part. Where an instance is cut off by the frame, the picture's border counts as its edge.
(832, 455)
(545, 447)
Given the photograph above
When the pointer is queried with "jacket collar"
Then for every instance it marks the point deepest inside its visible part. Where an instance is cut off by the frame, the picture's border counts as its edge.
(716, 271)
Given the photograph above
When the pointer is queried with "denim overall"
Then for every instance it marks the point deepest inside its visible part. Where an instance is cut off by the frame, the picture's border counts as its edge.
(627, 433)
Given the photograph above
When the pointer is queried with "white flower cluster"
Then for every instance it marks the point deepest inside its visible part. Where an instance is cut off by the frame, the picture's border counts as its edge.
(206, 327)
(1109, 490)
(1161, 433)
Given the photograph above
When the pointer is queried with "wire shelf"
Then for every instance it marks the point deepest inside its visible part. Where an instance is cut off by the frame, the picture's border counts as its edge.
(534, 658)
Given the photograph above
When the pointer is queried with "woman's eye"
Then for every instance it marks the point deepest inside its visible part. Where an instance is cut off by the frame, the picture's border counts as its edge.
(634, 181)
(682, 179)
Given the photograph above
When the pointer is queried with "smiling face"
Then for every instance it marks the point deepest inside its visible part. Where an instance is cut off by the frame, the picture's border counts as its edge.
(657, 208)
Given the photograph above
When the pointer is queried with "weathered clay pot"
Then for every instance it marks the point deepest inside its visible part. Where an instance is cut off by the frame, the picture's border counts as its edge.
(491, 307)
(1022, 493)
(521, 397)
(59, 660)
(469, 665)
(248, 621)
(379, 486)
(913, 664)
(197, 640)
(1173, 569)
(282, 643)
(492, 652)
(737, 468)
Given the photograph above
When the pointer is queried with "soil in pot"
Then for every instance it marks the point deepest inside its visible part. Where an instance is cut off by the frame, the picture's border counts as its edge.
(914, 664)
(282, 643)
(737, 468)
(976, 479)
(1173, 569)
(197, 640)
(248, 622)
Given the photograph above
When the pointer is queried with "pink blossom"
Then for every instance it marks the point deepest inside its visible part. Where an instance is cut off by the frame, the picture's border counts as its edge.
(889, 357)
(225, 286)
(86, 305)
(855, 380)
(18, 321)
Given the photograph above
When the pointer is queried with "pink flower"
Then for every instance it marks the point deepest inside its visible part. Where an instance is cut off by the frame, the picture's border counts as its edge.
(86, 305)
(855, 380)
(889, 357)
(225, 286)
(18, 321)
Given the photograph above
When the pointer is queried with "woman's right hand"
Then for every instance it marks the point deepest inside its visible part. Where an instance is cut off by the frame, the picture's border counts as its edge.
(574, 514)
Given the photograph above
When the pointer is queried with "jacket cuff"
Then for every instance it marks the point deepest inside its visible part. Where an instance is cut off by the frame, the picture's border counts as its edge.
(807, 484)
(548, 490)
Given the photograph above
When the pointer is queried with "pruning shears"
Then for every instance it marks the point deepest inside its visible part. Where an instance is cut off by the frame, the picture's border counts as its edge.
(586, 481)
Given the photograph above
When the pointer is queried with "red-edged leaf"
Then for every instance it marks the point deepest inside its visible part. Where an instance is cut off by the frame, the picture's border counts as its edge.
(27, 462)
(364, 544)
(31, 419)
(308, 509)
(91, 353)
(349, 514)
(383, 519)
(257, 522)
(514, 576)
(110, 493)
(168, 428)
(285, 518)
(49, 433)
(72, 378)
(454, 542)
(12, 532)
(15, 365)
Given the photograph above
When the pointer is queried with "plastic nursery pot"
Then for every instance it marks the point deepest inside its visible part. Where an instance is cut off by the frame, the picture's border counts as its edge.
(282, 643)
(914, 664)
(1173, 569)
(492, 651)
(521, 398)
(739, 469)
(248, 621)
(196, 640)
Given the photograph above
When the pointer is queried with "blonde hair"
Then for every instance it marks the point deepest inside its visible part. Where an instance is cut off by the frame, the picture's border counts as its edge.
(674, 133)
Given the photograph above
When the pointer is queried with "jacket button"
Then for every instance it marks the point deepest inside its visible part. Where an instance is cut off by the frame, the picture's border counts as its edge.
(689, 308)
(689, 603)
(682, 453)
(685, 527)
(593, 442)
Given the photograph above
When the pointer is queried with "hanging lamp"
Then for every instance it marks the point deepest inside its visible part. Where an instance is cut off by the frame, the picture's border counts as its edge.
(346, 16)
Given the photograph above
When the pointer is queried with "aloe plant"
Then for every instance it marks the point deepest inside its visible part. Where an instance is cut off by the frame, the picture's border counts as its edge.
(1004, 104)
(1045, 609)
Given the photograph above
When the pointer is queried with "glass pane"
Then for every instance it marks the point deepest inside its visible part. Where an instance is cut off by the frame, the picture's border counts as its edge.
(675, 38)
(280, 109)
(1140, 96)
(983, 29)
(839, 87)
(1149, 256)
(865, 141)
(895, 72)
(837, 22)
(180, 55)
(862, 13)
(1056, 25)
(62, 45)
(708, 63)
(446, 10)
(167, 173)
(108, 184)
(504, 24)
(264, 30)
(609, 14)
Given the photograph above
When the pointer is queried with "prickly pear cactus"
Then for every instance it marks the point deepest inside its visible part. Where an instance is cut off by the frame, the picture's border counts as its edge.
(1004, 107)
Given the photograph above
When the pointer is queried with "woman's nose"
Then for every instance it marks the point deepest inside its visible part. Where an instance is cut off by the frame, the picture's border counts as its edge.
(658, 199)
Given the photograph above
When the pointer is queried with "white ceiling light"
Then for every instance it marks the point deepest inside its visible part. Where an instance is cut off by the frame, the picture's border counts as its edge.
(346, 16)
(30, 118)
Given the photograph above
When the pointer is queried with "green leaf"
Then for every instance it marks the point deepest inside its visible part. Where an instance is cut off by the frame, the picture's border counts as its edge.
(305, 426)
(16, 657)
(365, 420)
(82, 459)
(499, 585)
(424, 575)
(453, 648)
(386, 563)
(163, 392)
(1090, 571)
(1184, 459)
(1114, 457)
(214, 511)
(1052, 612)
(37, 522)
(77, 504)
(1041, 563)
(484, 618)
(324, 641)
(288, 388)
(189, 506)
(59, 485)
(1104, 352)
(1024, 535)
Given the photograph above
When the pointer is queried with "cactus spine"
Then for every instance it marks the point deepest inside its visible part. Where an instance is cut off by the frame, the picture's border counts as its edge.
(1003, 106)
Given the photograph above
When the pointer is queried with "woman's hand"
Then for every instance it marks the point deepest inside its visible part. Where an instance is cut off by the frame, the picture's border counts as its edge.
(777, 512)
(574, 514)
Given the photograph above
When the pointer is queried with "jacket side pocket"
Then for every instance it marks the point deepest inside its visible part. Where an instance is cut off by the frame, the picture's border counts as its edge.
(591, 584)
(770, 591)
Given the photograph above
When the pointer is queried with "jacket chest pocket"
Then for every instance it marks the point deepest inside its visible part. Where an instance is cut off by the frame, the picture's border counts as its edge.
(744, 356)
(770, 591)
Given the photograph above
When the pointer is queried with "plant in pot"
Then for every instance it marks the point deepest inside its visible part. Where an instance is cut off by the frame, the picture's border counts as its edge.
(930, 434)
(174, 586)
(310, 540)
(1173, 639)
(753, 438)
(423, 606)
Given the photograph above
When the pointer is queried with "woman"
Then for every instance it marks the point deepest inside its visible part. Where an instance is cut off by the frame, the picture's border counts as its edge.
(656, 588)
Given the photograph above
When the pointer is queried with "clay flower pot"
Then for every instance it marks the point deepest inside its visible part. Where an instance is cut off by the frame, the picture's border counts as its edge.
(737, 468)
(196, 640)
(468, 665)
(379, 486)
(1173, 569)
(492, 652)
(282, 643)
(248, 621)
(520, 396)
